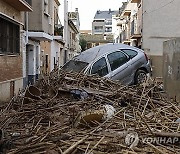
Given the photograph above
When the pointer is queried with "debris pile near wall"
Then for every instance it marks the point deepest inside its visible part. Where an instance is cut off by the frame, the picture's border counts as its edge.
(75, 114)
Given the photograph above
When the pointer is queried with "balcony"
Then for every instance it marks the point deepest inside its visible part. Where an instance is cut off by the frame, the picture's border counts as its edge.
(124, 37)
(21, 5)
(135, 1)
(126, 13)
(120, 22)
(135, 32)
(98, 31)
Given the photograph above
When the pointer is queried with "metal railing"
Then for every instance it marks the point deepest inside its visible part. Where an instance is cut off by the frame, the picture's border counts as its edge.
(132, 28)
(135, 28)
(123, 36)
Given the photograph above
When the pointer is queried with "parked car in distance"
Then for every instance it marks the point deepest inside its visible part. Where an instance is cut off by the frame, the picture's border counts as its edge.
(121, 62)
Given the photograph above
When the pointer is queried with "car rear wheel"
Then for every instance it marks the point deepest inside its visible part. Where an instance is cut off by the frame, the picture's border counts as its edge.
(140, 77)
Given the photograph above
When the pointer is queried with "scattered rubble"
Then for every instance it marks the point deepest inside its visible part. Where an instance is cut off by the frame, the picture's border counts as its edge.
(72, 113)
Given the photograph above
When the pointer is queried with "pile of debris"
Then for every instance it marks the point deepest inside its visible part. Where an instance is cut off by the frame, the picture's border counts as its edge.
(73, 113)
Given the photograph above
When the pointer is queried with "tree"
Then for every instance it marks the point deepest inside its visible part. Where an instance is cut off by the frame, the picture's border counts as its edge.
(82, 43)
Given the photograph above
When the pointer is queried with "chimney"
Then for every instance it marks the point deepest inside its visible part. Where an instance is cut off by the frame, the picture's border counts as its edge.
(119, 10)
(98, 12)
(76, 9)
(109, 11)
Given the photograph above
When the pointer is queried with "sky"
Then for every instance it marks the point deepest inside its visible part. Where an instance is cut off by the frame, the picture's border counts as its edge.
(88, 8)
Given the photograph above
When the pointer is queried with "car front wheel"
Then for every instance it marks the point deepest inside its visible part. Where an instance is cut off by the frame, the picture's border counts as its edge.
(140, 77)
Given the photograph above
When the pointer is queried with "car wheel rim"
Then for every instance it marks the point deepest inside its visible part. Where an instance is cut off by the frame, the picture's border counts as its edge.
(141, 78)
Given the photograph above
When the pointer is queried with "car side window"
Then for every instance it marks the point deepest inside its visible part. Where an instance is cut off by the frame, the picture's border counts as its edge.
(100, 67)
(130, 53)
(116, 59)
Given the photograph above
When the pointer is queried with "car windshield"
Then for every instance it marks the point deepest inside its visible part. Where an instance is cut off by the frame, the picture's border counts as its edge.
(74, 66)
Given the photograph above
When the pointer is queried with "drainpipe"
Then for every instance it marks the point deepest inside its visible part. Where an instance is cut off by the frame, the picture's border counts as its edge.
(26, 21)
(25, 75)
(142, 45)
(66, 30)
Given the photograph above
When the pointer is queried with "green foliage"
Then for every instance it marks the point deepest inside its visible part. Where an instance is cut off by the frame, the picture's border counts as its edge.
(58, 31)
(83, 43)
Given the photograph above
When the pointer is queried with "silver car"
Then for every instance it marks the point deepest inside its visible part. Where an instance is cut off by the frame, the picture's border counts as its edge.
(121, 62)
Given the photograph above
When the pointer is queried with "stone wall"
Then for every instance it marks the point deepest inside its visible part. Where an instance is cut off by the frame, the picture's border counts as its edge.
(171, 64)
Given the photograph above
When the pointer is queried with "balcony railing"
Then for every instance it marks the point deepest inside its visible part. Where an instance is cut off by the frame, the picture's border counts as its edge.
(108, 31)
(123, 36)
(135, 32)
(132, 27)
(120, 22)
(98, 30)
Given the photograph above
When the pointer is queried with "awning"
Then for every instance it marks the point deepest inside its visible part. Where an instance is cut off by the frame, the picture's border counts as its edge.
(136, 36)
(40, 36)
(126, 13)
(135, 1)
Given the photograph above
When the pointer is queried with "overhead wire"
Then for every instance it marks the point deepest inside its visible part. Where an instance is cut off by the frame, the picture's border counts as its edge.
(159, 7)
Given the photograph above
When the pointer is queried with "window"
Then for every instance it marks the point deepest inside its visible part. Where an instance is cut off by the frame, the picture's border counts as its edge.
(73, 36)
(9, 37)
(98, 21)
(29, 2)
(130, 53)
(98, 28)
(116, 59)
(108, 29)
(108, 22)
(100, 67)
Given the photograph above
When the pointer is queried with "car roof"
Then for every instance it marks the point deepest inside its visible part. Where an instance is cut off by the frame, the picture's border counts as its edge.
(91, 54)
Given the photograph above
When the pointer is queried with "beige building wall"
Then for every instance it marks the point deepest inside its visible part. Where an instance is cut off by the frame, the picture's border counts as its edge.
(160, 23)
(41, 19)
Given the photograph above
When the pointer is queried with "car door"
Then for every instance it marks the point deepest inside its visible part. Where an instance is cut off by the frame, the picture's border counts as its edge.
(100, 67)
(119, 67)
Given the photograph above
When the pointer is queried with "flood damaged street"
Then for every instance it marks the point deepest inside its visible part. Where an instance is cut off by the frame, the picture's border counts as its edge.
(89, 77)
